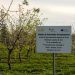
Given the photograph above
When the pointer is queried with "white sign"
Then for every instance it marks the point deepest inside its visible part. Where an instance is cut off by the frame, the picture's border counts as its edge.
(53, 39)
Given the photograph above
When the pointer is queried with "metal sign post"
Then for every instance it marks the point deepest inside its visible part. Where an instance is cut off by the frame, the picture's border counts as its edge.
(54, 72)
(53, 39)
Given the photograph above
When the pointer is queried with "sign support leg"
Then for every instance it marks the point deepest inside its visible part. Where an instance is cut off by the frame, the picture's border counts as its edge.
(54, 64)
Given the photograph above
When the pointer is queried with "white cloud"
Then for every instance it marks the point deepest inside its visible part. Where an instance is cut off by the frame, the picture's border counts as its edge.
(61, 9)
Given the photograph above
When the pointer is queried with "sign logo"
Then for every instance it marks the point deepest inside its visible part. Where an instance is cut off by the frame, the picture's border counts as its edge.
(41, 29)
(64, 30)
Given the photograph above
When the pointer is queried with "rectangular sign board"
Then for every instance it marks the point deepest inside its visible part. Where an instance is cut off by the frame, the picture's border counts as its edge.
(53, 39)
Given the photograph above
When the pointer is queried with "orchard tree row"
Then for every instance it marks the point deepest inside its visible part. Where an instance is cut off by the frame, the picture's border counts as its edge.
(21, 34)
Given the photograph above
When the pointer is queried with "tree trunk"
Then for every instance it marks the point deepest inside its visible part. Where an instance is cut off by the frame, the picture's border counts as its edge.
(28, 51)
(9, 56)
(34, 50)
(20, 56)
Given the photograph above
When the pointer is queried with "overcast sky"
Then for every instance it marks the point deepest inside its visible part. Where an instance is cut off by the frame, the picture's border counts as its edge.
(58, 12)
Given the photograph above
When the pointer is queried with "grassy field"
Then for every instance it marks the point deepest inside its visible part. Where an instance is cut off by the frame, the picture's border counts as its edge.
(40, 64)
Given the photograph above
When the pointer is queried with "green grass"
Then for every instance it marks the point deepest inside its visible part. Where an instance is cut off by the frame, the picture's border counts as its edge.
(40, 64)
